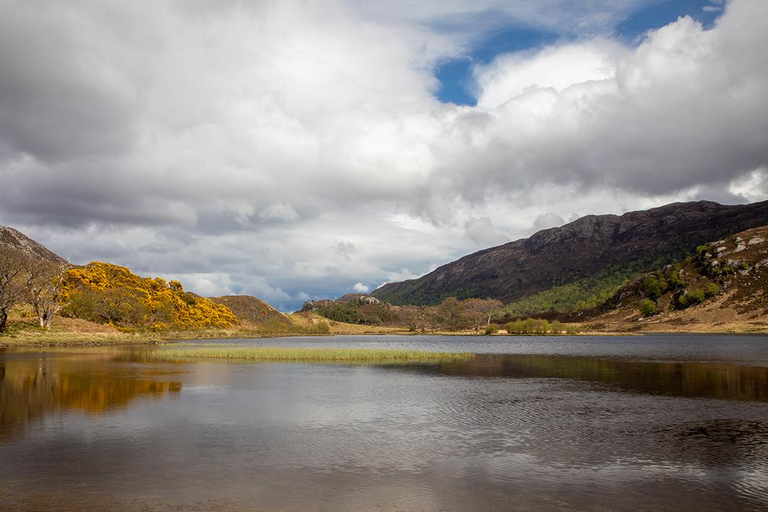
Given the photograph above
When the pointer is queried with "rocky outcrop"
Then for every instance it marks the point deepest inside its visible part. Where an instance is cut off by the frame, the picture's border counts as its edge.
(581, 249)
(724, 283)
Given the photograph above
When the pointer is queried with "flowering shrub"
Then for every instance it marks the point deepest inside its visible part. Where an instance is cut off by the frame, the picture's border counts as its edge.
(111, 294)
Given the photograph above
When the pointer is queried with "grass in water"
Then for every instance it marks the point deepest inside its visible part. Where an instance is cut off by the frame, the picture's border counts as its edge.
(278, 354)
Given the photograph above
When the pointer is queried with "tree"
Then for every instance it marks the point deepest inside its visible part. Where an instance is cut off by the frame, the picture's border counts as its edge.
(45, 282)
(451, 312)
(12, 274)
(481, 310)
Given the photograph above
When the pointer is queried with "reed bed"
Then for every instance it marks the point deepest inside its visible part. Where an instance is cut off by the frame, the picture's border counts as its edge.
(286, 354)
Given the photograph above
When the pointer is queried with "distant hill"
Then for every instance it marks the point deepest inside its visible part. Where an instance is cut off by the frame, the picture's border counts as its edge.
(251, 309)
(14, 239)
(723, 285)
(592, 254)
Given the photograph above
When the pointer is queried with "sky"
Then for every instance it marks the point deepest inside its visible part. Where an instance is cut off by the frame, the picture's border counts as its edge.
(303, 149)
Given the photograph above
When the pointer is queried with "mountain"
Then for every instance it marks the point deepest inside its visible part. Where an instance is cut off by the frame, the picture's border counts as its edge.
(722, 287)
(590, 252)
(14, 239)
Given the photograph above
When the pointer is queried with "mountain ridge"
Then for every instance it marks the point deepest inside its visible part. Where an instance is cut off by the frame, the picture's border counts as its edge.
(15, 239)
(580, 249)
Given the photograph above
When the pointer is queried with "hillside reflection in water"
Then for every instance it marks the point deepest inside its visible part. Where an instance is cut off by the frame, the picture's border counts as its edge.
(35, 384)
(110, 429)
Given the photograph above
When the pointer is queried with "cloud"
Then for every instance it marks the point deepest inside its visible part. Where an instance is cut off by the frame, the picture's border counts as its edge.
(288, 148)
(677, 111)
(345, 249)
(557, 68)
(482, 232)
(360, 288)
(715, 6)
(751, 187)
(279, 211)
(559, 16)
(547, 220)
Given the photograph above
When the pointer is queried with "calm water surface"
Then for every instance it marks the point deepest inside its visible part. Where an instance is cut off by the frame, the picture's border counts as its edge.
(604, 423)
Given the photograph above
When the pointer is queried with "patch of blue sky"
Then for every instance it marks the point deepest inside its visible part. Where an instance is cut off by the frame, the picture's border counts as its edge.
(657, 15)
(455, 75)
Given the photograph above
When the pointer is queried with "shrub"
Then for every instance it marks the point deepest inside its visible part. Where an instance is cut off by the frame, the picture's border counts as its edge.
(647, 307)
(675, 276)
(711, 290)
(654, 287)
(528, 326)
(492, 329)
(113, 295)
(690, 299)
(323, 327)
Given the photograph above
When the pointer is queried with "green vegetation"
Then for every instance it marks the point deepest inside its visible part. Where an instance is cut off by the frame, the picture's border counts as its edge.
(691, 298)
(580, 294)
(531, 326)
(356, 312)
(281, 354)
(647, 307)
(711, 290)
(654, 287)
(576, 296)
(450, 315)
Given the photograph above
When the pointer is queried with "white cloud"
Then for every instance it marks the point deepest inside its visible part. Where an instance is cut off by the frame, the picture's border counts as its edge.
(557, 68)
(751, 187)
(360, 288)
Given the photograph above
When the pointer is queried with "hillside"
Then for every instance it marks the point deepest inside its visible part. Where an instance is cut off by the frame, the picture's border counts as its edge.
(723, 287)
(594, 253)
(14, 239)
(252, 310)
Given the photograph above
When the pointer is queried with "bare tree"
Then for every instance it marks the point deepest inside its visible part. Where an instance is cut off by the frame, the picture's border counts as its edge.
(44, 284)
(12, 273)
(480, 311)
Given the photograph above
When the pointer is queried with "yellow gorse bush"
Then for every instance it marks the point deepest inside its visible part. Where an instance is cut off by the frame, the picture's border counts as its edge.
(111, 294)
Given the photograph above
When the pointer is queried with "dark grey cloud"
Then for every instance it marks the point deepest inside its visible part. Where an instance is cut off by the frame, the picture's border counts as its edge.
(65, 91)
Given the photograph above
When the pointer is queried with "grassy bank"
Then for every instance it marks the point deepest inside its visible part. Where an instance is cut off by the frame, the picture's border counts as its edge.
(279, 354)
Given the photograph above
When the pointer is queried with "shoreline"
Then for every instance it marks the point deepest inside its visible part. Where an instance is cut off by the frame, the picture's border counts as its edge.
(90, 339)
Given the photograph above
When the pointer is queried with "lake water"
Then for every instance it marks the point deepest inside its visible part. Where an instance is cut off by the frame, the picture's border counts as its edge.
(563, 423)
